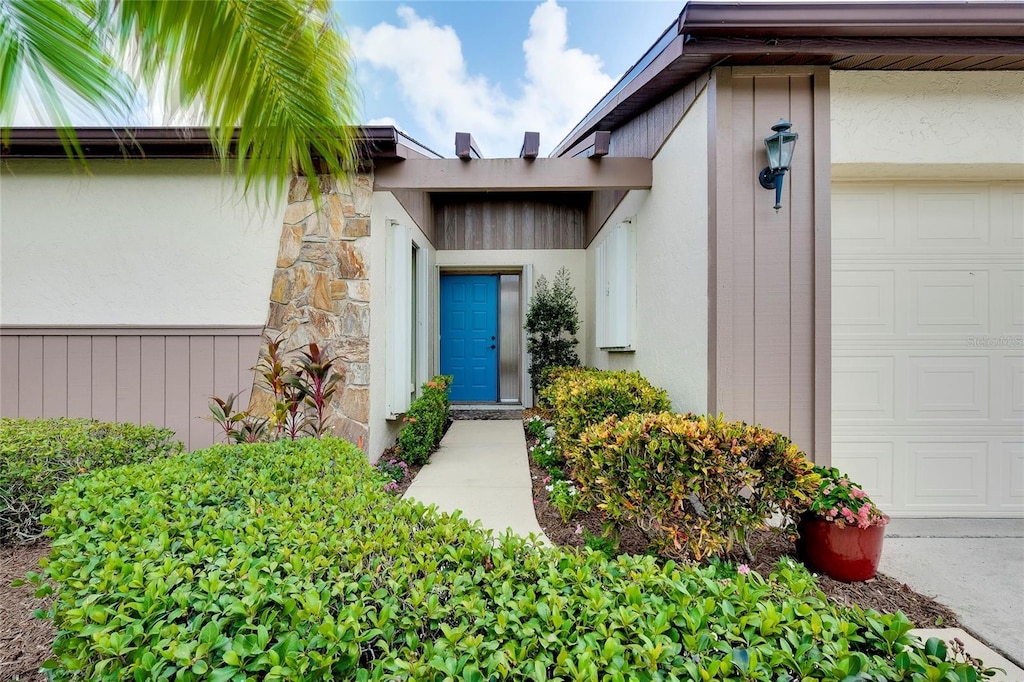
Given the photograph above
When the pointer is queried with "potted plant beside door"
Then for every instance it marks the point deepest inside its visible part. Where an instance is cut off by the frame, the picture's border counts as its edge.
(841, 533)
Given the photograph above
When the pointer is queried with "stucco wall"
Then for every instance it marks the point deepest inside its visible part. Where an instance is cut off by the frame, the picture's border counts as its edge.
(671, 221)
(914, 124)
(383, 431)
(132, 243)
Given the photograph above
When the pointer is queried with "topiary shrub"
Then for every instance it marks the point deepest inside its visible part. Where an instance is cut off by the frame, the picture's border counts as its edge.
(581, 397)
(693, 484)
(552, 322)
(287, 561)
(37, 455)
(425, 421)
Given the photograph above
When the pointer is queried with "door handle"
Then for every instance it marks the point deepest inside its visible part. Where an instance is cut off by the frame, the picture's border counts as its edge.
(492, 346)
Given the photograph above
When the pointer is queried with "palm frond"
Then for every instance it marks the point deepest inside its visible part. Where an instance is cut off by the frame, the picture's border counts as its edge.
(278, 71)
(62, 48)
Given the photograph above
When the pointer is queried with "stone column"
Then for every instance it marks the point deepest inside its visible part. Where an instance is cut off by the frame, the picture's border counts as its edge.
(321, 292)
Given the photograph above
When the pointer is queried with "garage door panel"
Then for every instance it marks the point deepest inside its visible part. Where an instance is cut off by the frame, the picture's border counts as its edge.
(863, 388)
(944, 301)
(1011, 392)
(1010, 480)
(947, 388)
(862, 219)
(944, 473)
(942, 219)
(865, 302)
(1010, 303)
(928, 345)
(872, 464)
(1015, 220)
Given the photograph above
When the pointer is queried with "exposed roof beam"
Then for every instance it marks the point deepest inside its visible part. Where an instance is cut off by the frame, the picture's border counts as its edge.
(515, 175)
(531, 146)
(465, 147)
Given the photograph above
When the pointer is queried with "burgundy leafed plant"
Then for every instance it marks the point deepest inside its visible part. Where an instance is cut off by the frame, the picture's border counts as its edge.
(302, 387)
(318, 382)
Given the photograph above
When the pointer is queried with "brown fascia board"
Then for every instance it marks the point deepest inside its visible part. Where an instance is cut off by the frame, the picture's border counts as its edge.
(857, 19)
(373, 143)
(715, 31)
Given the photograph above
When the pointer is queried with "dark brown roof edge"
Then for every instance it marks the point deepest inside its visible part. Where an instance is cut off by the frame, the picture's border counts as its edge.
(373, 142)
(858, 19)
(963, 22)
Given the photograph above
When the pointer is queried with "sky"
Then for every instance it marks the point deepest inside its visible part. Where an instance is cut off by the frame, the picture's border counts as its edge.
(492, 68)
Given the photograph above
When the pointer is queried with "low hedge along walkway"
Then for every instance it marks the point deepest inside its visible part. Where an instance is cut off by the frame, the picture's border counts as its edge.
(288, 561)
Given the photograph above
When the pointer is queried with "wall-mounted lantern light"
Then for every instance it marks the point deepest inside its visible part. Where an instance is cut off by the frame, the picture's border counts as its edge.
(780, 147)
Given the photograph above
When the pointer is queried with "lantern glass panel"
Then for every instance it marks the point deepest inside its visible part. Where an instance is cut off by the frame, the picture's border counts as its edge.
(787, 146)
(773, 146)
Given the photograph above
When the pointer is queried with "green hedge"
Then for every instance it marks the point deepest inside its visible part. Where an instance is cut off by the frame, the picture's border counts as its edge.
(37, 455)
(424, 422)
(581, 397)
(695, 485)
(288, 561)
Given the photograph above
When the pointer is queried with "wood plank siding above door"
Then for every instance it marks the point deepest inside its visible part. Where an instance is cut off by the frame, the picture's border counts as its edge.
(159, 376)
(508, 222)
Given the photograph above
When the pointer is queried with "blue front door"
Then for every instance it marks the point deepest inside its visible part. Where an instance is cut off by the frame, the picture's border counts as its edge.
(469, 336)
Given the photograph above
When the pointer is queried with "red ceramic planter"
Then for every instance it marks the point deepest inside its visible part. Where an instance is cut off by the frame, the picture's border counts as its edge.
(848, 553)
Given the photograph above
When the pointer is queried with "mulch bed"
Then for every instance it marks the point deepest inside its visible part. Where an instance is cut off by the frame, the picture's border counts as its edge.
(24, 639)
(882, 593)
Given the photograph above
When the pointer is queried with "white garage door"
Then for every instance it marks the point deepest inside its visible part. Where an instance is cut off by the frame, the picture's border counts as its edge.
(928, 345)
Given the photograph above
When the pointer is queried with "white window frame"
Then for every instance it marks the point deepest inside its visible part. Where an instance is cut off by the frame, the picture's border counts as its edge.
(615, 290)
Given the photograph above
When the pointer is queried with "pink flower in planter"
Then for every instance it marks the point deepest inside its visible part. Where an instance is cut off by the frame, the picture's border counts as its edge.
(743, 569)
(579, 529)
(858, 493)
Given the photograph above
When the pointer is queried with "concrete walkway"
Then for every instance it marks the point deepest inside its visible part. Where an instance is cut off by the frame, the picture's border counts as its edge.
(482, 469)
(973, 566)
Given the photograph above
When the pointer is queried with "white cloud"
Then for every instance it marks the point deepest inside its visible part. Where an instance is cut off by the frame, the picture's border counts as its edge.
(558, 88)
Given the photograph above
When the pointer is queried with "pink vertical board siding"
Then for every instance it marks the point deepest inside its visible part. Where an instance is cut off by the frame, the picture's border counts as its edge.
(743, 167)
(801, 260)
(225, 366)
(55, 376)
(159, 376)
(200, 434)
(177, 404)
(772, 295)
(104, 378)
(770, 273)
(129, 378)
(30, 377)
(248, 358)
(153, 380)
(9, 365)
(80, 376)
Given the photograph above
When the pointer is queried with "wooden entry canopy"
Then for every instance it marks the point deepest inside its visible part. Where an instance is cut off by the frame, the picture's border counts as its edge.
(515, 175)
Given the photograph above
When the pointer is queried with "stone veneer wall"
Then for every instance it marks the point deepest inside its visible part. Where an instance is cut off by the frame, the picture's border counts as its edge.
(321, 292)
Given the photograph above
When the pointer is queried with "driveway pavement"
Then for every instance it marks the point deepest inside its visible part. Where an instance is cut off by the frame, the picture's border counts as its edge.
(973, 566)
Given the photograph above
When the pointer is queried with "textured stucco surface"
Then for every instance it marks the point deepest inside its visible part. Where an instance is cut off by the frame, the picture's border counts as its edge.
(154, 242)
(671, 222)
(927, 118)
(385, 208)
